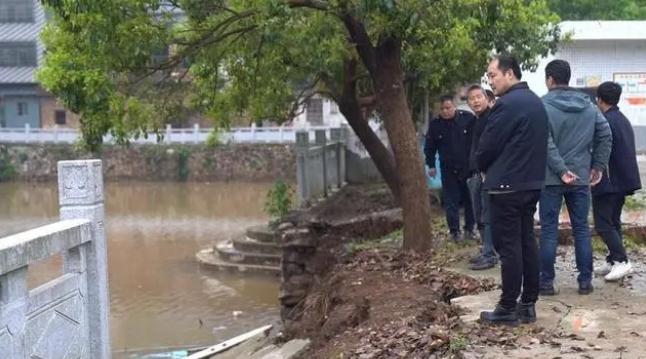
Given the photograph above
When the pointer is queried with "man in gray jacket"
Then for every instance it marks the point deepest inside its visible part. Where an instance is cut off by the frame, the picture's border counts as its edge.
(578, 151)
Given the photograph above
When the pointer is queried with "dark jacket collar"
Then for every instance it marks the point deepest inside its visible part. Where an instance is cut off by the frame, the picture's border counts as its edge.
(455, 116)
(519, 86)
(484, 114)
(613, 109)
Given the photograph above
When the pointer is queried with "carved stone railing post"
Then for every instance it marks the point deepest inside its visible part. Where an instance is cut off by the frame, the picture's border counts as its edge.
(80, 186)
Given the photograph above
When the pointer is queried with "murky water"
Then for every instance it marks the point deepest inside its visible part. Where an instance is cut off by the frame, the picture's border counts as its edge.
(159, 296)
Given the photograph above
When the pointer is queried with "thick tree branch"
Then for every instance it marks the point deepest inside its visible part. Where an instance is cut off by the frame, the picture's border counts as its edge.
(359, 37)
(312, 4)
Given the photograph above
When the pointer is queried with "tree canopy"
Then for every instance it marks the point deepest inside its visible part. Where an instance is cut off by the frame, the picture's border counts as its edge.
(260, 57)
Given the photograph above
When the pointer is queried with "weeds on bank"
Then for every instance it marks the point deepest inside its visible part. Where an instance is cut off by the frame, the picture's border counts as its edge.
(636, 201)
(392, 240)
(458, 343)
(630, 243)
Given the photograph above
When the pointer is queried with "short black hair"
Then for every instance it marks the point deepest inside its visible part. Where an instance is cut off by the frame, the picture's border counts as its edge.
(476, 87)
(507, 62)
(559, 71)
(445, 98)
(609, 92)
(490, 95)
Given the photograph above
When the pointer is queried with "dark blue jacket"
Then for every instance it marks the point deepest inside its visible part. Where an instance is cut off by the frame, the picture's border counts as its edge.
(622, 175)
(513, 147)
(478, 129)
(452, 139)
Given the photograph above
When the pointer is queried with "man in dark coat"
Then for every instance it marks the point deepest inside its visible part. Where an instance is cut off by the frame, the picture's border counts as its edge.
(450, 135)
(479, 101)
(621, 179)
(513, 154)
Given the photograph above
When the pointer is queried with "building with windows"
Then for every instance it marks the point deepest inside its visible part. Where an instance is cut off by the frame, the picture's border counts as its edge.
(22, 100)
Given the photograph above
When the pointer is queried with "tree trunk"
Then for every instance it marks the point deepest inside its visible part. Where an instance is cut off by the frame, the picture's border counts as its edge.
(381, 156)
(393, 107)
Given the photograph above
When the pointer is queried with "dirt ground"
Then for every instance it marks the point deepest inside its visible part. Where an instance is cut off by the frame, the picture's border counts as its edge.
(373, 301)
(353, 201)
(385, 304)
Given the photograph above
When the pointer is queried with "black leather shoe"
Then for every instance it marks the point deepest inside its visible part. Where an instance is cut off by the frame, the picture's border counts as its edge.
(547, 289)
(500, 316)
(484, 263)
(526, 312)
(585, 288)
(476, 259)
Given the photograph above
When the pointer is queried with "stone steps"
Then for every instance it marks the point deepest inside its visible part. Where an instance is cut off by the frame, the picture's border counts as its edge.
(210, 257)
(261, 233)
(257, 251)
(229, 253)
(250, 245)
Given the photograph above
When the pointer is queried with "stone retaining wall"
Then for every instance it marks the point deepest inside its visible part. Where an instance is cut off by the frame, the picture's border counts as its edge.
(248, 162)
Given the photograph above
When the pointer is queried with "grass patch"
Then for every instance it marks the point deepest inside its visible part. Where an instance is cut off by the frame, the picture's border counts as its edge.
(458, 344)
(392, 240)
(630, 243)
(636, 201)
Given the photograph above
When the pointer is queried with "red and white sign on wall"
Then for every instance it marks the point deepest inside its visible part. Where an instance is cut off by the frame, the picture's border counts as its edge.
(633, 96)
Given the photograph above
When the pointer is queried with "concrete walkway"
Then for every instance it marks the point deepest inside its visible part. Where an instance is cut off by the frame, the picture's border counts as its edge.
(609, 323)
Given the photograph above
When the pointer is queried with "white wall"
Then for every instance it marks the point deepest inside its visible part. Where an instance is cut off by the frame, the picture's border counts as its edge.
(596, 61)
(331, 115)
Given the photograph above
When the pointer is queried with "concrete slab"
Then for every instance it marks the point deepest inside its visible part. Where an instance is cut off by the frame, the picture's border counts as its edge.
(609, 323)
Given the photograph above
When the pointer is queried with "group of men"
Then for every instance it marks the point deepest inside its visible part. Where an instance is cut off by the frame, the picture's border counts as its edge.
(516, 151)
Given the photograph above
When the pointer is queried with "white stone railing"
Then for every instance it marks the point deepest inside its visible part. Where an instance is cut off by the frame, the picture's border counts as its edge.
(67, 317)
(195, 134)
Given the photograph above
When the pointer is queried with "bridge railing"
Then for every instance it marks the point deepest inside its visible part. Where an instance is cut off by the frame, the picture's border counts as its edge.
(169, 135)
(66, 317)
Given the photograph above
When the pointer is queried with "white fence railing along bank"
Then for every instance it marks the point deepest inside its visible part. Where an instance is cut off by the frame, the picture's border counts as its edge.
(196, 134)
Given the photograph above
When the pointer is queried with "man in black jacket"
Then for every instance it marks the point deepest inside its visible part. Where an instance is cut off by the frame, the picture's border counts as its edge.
(450, 135)
(620, 180)
(479, 101)
(513, 154)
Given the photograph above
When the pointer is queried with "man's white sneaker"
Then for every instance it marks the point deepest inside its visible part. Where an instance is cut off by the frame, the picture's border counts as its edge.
(604, 269)
(619, 270)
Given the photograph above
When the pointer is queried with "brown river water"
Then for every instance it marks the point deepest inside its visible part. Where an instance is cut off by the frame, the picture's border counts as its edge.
(160, 297)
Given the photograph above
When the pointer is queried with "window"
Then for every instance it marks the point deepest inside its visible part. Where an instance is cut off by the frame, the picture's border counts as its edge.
(18, 54)
(314, 112)
(59, 117)
(23, 108)
(12, 11)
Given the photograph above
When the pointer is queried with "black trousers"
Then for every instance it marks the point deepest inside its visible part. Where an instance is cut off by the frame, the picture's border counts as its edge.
(606, 210)
(512, 226)
(455, 192)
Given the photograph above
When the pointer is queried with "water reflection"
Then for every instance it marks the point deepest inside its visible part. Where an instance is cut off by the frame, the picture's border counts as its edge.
(159, 295)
